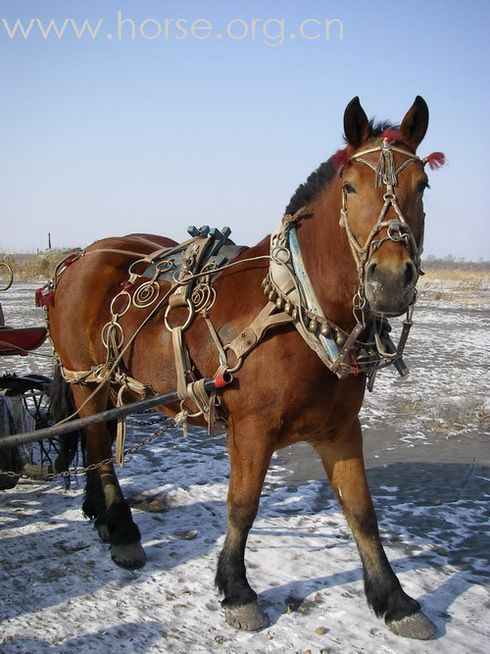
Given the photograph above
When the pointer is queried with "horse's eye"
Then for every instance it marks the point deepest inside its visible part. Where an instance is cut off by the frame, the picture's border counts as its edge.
(422, 186)
(348, 188)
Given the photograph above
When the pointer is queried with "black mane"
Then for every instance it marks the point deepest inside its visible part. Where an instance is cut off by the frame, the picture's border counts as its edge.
(325, 172)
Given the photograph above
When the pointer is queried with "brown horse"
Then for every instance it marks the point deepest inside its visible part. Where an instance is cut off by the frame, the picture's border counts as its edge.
(345, 256)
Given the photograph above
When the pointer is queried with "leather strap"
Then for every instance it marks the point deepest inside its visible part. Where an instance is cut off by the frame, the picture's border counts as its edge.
(248, 339)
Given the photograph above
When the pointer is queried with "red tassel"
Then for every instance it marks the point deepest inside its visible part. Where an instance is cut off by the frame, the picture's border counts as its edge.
(392, 135)
(44, 299)
(39, 297)
(435, 160)
(341, 158)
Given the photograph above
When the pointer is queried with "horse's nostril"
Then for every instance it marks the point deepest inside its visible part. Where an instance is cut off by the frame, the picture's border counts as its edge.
(371, 272)
(410, 273)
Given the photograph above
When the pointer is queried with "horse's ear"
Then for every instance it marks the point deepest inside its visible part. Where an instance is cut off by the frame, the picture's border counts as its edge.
(356, 123)
(415, 123)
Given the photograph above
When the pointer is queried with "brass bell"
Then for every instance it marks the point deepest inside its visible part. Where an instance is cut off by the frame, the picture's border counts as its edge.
(288, 308)
(294, 314)
(279, 302)
(313, 326)
(272, 295)
(325, 329)
(339, 338)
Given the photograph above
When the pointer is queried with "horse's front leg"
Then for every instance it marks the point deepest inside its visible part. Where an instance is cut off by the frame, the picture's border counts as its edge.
(250, 456)
(344, 463)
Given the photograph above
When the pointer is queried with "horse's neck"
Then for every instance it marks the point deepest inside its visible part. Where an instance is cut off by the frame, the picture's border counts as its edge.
(328, 259)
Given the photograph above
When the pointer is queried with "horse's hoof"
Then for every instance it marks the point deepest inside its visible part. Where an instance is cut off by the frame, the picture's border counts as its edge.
(129, 556)
(248, 617)
(417, 626)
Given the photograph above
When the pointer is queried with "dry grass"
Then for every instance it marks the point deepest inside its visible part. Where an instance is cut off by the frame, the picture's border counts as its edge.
(35, 267)
(449, 280)
(458, 275)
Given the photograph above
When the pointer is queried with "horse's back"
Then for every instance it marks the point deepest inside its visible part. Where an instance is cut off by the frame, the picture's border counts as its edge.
(87, 286)
(153, 240)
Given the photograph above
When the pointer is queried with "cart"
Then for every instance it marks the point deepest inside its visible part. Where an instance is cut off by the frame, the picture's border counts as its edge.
(24, 400)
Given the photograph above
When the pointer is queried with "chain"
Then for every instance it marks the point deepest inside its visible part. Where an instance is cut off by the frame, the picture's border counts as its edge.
(153, 419)
(94, 466)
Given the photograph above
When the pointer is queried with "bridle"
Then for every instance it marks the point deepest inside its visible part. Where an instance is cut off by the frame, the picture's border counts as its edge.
(289, 286)
(397, 228)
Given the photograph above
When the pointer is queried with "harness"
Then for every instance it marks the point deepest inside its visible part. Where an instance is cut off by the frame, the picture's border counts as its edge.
(193, 266)
(190, 269)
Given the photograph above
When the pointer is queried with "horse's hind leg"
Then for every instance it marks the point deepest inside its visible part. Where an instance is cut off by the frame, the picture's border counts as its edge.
(104, 500)
(344, 463)
(249, 459)
(93, 505)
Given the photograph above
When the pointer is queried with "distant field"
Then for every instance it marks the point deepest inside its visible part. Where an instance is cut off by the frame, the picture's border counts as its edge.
(470, 279)
(31, 267)
(457, 274)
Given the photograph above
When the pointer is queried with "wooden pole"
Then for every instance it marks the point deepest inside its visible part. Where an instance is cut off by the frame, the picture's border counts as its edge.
(161, 399)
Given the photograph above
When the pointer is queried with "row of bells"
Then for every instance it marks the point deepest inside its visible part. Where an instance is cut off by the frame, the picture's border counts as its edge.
(314, 326)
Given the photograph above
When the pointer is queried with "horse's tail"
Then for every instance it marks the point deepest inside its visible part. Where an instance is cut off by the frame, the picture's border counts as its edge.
(63, 406)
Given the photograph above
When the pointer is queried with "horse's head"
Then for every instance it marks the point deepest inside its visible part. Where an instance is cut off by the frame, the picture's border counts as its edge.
(383, 183)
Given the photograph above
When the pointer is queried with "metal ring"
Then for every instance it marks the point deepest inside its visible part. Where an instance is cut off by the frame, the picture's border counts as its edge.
(280, 249)
(126, 308)
(11, 275)
(146, 294)
(238, 363)
(203, 297)
(186, 323)
(165, 266)
(106, 330)
(135, 263)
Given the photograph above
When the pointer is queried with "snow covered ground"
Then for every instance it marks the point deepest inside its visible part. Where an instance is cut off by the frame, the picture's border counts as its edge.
(426, 441)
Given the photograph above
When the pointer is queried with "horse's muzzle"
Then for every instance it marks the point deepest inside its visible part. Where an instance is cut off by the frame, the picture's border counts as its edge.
(390, 291)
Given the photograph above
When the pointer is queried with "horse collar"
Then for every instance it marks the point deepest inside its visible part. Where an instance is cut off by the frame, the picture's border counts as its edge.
(289, 286)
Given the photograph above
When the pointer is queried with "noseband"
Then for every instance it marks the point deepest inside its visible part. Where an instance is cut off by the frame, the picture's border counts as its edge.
(397, 228)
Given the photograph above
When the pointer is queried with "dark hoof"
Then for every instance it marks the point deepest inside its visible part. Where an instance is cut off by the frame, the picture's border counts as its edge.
(103, 531)
(248, 617)
(417, 626)
(128, 556)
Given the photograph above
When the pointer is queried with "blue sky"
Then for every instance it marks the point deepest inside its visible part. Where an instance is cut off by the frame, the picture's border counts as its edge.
(114, 135)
